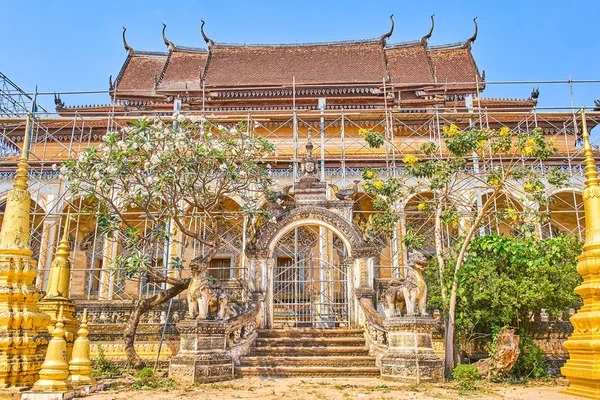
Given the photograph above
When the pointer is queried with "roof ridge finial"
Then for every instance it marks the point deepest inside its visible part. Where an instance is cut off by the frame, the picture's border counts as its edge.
(473, 38)
(309, 146)
(127, 47)
(425, 38)
(591, 171)
(168, 43)
(208, 40)
(383, 39)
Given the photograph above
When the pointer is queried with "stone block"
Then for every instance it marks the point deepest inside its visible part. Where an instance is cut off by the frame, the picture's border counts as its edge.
(410, 356)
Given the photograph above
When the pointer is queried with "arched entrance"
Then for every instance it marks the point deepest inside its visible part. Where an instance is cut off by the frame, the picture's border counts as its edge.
(310, 279)
(307, 266)
(308, 290)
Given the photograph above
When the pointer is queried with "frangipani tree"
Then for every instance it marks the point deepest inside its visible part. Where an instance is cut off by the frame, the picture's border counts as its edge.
(165, 171)
(466, 173)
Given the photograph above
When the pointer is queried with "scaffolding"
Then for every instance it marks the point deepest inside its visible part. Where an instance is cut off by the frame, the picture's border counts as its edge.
(343, 154)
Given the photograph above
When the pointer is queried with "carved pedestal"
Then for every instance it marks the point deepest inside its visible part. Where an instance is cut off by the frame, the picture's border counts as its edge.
(410, 357)
(202, 357)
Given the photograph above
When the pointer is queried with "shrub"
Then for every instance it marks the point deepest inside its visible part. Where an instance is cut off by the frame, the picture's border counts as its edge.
(466, 372)
(467, 376)
(105, 368)
(531, 363)
(147, 379)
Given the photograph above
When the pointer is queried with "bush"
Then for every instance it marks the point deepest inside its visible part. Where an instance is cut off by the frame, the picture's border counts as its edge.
(467, 376)
(465, 372)
(147, 379)
(104, 368)
(531, 363)
(144, 373)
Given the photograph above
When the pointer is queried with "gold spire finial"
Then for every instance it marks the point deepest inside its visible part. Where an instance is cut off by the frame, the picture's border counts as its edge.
(591, 171)
(80, 366)
(60, 269)
(63, 245)
(21, 178)
(55, 369)
(60, 321)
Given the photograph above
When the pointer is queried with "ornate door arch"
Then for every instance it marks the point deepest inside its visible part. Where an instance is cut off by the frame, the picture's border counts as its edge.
(329, 300)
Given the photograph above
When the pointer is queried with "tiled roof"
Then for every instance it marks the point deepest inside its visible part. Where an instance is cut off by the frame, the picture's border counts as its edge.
(183, 70)
(139, 74)
(335, 63)
(454, 64)
(408, 64)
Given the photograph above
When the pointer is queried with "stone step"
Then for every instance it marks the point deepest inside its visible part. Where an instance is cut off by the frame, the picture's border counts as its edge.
(330, 360)
(315, 371)
(309, 341)
(300, 332)
(321, 351)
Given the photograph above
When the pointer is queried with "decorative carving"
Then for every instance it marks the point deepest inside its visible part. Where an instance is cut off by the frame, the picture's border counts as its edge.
(350, 231)
(349, 193)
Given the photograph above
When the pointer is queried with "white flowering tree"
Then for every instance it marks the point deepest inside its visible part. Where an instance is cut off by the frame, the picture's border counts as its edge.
(166, 171)
(467, 177)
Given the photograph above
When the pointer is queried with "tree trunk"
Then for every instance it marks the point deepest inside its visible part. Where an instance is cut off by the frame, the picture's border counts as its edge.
(142, 307)
(439, 247)
(449, 339)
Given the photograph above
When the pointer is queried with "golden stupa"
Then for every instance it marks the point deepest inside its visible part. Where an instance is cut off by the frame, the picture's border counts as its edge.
(582, 369)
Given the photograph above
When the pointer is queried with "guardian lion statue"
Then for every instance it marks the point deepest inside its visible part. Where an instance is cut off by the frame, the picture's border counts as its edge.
(409, 292)
(199, 291)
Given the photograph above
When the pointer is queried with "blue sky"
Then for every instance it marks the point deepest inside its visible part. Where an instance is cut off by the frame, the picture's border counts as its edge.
(76, 45)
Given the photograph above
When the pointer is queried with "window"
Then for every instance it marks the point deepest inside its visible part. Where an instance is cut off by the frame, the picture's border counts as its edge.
(220, 268)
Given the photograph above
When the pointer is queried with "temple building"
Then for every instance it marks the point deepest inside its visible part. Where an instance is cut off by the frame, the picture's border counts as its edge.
(408, 91)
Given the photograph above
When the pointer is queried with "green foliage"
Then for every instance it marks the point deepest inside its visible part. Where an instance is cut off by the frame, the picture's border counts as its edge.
(531, 363)
(465, 372)
(374, 139)
(495, 334)
(467, 376)
(148, 380)
(164, 171)
(104, 368)
(505, 278)
(144, 373)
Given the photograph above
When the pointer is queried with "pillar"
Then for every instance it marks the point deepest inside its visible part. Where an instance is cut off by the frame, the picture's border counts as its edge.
(107, 275)
(46, 246)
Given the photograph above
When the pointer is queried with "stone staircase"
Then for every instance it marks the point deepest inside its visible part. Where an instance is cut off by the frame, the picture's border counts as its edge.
(309, 352)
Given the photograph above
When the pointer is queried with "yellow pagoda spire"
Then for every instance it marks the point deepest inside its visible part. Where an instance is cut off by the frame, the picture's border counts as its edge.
(15, 226)
(23, 322)
(60, 269)
(57, 293)
(582, 369)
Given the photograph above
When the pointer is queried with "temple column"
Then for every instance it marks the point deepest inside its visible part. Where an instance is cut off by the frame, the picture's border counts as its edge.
(107, 274)
(48, 239)
(399, 256)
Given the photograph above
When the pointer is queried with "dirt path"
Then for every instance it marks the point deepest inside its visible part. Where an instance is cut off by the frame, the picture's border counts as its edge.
(333, 388)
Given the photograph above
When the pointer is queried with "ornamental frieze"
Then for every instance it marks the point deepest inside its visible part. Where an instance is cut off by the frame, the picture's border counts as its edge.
(350, 231)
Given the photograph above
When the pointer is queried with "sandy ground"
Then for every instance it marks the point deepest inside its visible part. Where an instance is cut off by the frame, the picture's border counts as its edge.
(333, 388)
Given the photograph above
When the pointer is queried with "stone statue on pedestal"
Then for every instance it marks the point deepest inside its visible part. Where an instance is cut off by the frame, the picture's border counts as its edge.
(409, 292)
(199, 291)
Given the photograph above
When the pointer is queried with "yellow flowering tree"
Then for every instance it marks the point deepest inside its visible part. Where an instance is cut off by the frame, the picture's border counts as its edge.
(466, 164)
